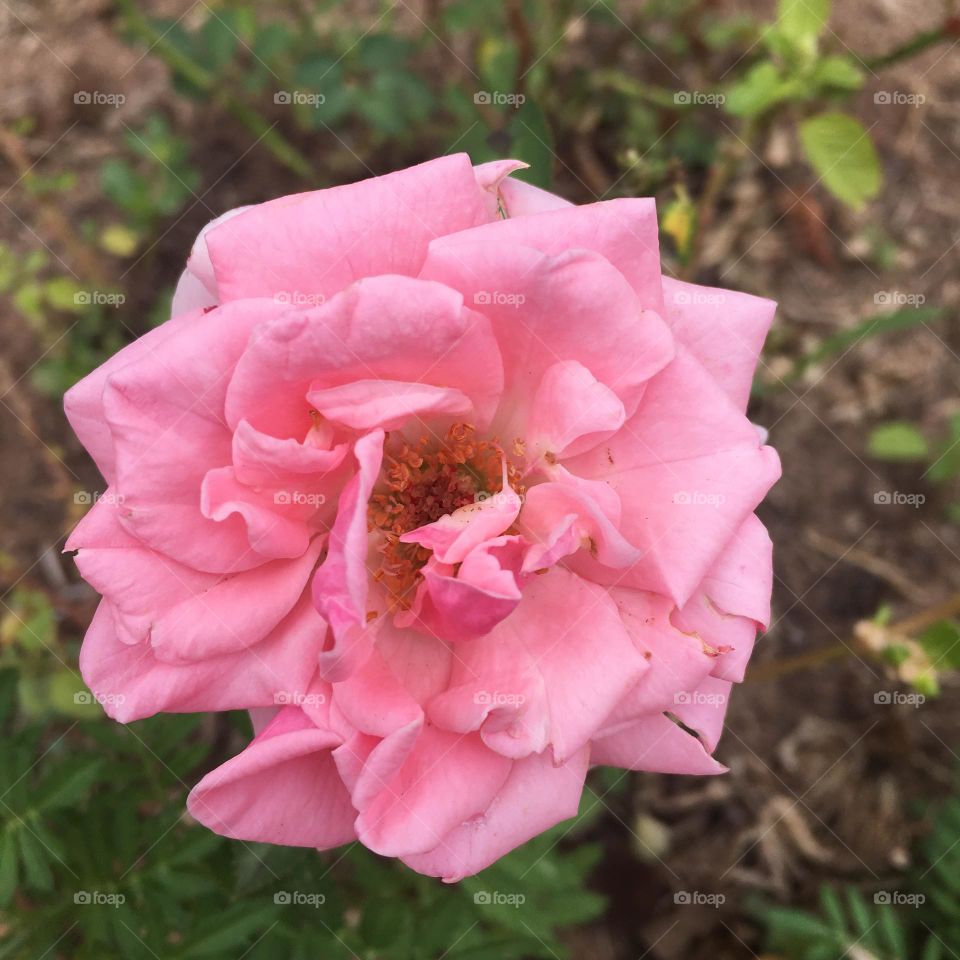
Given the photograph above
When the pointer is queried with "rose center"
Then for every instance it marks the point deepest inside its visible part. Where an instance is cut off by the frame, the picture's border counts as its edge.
(421, 482)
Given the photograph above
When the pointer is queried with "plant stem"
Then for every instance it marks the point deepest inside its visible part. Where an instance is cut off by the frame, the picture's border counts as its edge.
(906, 628)
(658, 96)
(917, 44)
(779, 668)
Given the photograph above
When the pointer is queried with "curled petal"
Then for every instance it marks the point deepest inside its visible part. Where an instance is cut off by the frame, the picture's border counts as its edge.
(656, 744)
(447, 778)
(284, 788)
(340, 586)
(537, 795)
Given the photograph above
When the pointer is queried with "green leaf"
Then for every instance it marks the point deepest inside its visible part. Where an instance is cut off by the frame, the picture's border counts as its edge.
(533, 143)
(837, 73)
(384, 921)
(69, 782)
(35, 861)
(383, 52)
(898, 441)
(941, 643)
(802, 21)
(218, 36)
(8, 867)
(880, 323)
(8, 694)
(761, 88)
(841, 152)
(231, 929)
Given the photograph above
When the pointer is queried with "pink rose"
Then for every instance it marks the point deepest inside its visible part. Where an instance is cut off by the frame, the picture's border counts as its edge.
(439, 477)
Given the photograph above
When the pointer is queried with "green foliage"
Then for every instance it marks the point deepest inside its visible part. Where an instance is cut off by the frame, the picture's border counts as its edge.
(877, 325)
(842, 154)
(97, 856)
(897, 441)
(919, 920)
(156, 181)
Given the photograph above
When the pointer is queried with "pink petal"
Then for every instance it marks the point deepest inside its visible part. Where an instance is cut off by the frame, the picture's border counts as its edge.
(552, 510)
(723, 329)
(572, 412)
(388, 404)
(83, 402)
(548, 674)
(271, 531)
(536, 796)
(703, 710)
(368, 764)
(689, 471)
(132, 684)
(421, 663)
(446, 779)
(383, 328)
(471, 602)
(341, 583)
(263, 460)
(543, 311)
(167, 408)
(185, 614)
(490, 176)
(656, 744)
(678, 663)
(523, 199)
(197, 286)
(318, 243)
(374, 701)
(284, 788)
(624, 232)
(733, 601)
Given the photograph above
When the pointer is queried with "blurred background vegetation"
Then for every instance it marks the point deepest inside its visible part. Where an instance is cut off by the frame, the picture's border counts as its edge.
(801, 150)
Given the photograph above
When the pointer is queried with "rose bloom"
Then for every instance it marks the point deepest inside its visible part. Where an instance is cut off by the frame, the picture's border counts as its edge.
(439, 477)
